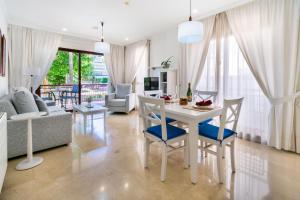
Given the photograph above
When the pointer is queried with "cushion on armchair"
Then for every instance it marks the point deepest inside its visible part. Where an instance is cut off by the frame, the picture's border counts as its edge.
(122, 90)
(117, 102)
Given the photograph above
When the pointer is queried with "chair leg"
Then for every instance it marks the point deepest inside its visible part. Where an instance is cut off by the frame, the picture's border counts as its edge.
(164, 160)
(224, 152)
(205, 144)
(232, 156)
(202, 146)
(219, 163)
(146, 151)
(186, 154)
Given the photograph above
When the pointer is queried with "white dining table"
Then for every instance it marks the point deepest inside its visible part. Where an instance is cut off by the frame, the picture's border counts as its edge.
(191, 118)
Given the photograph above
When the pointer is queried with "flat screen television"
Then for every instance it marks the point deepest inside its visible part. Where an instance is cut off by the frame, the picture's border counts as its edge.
(151, 83)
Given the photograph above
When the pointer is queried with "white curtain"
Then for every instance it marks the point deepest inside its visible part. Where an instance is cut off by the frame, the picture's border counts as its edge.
(227, 72)
(142, 72)
(115, 64)
(267, 32)
(192, 58)
(233, 79)
(30, 50)
(134, 58)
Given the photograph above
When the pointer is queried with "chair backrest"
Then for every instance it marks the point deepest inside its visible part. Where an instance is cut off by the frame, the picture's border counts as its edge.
(148, 107)
(230, 114)
(75, 88)
(122, 90)
(153, 93)
(205, 95)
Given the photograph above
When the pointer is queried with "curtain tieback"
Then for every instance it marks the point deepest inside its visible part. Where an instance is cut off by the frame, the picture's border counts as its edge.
(282, 100)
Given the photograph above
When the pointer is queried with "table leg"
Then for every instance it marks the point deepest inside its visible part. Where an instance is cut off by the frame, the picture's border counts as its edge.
(104, 121)
(31, 161)
(74, 115)
(104, 124)
(193, 143)
(84, 123)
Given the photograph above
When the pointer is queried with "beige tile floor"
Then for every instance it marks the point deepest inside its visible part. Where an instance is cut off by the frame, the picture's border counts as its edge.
(96, 168)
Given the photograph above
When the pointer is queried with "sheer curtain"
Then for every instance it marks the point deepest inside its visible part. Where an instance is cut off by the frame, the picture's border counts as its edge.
(192, 58)
(30, 50)
(267, 32)
(115, 64)
(232, 79)
(134, 59)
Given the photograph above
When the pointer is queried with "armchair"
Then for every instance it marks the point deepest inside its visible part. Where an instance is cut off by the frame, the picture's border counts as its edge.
(123, 100)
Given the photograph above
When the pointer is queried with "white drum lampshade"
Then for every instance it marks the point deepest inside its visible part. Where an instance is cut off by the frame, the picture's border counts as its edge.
(102, 47)
(190, 32)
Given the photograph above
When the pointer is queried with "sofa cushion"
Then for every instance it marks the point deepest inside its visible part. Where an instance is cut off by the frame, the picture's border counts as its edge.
(7, 107)
(56, 110)
(41, 104)
(24, 101)
(122, 90)
(117, 102)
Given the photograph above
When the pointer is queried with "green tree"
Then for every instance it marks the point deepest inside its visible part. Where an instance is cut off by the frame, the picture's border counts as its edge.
(60, 68)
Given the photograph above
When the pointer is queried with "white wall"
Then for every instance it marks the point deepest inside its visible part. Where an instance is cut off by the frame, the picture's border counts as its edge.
(77, 43)
(3, 27)
(162, 46)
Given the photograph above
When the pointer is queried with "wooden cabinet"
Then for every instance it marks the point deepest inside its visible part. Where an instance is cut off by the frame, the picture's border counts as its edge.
(3, 147)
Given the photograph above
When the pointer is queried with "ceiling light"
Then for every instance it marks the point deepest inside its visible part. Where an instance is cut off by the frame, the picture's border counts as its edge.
(195, 11)
(190, 31)
(127, 39)
(64, 29)
(101, 46)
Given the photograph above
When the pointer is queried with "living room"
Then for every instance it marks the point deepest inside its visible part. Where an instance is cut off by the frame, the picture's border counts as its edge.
(134, 99)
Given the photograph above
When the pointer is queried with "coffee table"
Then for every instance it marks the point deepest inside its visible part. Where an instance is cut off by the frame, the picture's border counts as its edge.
(85, 111)
(30, 161)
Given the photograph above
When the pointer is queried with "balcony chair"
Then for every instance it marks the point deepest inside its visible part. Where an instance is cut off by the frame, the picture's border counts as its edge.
(162, 132)
(121, 101)
(72, 95)
(221, 136)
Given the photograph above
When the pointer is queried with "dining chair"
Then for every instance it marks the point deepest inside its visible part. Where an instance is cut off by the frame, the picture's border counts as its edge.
(158, 94)
(221, 136)
(153, 93)
(161, 132)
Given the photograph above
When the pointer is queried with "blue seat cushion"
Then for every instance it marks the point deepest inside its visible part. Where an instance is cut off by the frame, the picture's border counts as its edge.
(206, 121)
(211, 131)
(168, 120)
(172, 131)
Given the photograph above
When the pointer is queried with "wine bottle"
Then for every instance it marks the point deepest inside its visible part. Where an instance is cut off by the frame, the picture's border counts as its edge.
(189, 93)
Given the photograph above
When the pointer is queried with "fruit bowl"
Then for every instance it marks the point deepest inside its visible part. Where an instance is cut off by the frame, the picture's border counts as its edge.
(167, 98)
(204, 103)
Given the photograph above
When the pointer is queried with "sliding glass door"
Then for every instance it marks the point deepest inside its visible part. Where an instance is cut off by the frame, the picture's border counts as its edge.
(74, 77)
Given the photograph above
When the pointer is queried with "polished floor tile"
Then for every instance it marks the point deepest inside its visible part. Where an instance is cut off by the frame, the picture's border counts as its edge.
(100, 165)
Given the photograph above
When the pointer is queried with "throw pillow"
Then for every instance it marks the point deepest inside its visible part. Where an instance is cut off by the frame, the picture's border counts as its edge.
(41, 104)
(24, 101)
(6, 106)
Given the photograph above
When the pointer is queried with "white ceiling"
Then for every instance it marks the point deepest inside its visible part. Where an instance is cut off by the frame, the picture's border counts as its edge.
(139, 20)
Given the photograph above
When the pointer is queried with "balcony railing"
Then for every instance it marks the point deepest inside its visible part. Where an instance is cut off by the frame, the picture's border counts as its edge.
(66, 95)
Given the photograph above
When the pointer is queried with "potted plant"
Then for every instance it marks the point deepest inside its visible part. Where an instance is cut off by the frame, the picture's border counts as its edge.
(166, 63)
(89, 101)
